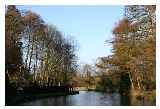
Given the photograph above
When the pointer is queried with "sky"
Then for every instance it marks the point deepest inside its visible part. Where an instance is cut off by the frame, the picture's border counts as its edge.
(90, 26)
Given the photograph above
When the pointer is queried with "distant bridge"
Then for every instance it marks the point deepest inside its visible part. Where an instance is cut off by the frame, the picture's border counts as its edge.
(84, 88)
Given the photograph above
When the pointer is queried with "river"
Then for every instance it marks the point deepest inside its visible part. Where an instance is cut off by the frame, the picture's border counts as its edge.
(84, 98)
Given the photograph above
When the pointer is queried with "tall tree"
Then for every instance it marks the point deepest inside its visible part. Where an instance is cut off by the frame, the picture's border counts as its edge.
(13, 29)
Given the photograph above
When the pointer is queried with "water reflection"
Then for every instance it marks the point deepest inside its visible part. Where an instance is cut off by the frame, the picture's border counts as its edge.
(125, 100)
(84, 98)
(91, 98)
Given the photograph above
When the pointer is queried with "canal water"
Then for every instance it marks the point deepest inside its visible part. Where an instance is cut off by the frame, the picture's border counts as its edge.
(84, 98)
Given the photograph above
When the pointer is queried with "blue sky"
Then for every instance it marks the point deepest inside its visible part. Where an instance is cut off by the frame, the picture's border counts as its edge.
(89, 25)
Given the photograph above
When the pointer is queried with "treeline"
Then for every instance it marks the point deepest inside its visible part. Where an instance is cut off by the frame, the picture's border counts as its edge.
(36, 53)
(133, 63)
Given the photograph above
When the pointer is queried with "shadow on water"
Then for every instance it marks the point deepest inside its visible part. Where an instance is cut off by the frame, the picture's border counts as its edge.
(91, 98)
(83, 99)
(125, 100)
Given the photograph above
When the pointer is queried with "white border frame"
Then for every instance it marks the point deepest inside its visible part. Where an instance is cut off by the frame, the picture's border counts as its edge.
(80, 2)
(76, 2)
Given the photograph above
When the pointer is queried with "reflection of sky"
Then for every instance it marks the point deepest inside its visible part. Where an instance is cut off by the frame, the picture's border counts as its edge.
(90, 25)
(84, 98)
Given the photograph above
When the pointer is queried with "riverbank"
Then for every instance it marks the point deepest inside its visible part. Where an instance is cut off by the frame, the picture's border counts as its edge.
(145, 98)
(21, 98)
